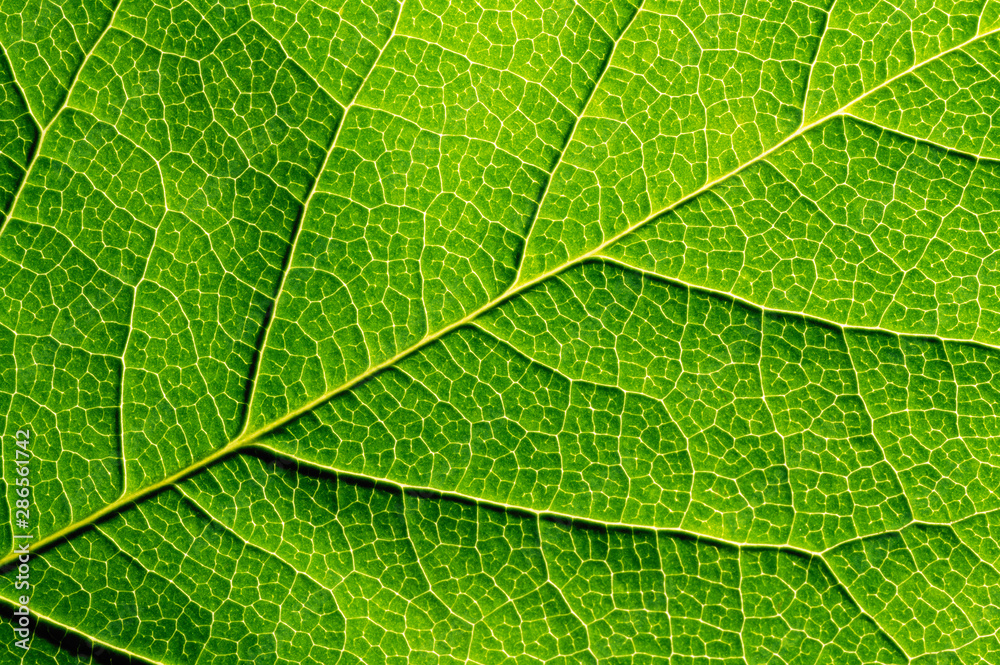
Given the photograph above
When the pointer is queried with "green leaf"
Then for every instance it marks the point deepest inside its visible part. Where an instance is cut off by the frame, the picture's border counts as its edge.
(439, 333)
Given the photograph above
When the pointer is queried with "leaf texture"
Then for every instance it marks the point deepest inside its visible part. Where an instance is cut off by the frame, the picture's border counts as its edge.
(443, 332)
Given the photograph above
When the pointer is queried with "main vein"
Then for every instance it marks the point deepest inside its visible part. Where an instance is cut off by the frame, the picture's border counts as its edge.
(246, 439)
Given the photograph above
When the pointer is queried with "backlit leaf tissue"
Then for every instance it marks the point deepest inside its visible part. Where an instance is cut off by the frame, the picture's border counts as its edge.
(529, 331)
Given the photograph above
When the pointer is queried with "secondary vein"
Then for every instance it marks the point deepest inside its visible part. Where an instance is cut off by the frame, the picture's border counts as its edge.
(43, 131)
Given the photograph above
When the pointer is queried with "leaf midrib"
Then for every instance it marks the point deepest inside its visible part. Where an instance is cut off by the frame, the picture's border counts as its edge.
(249, 439)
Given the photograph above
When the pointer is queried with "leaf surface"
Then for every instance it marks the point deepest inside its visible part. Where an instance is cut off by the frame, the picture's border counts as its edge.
(585, 332)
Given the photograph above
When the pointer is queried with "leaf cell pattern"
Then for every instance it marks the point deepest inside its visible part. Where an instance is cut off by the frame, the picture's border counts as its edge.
(442, 332)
